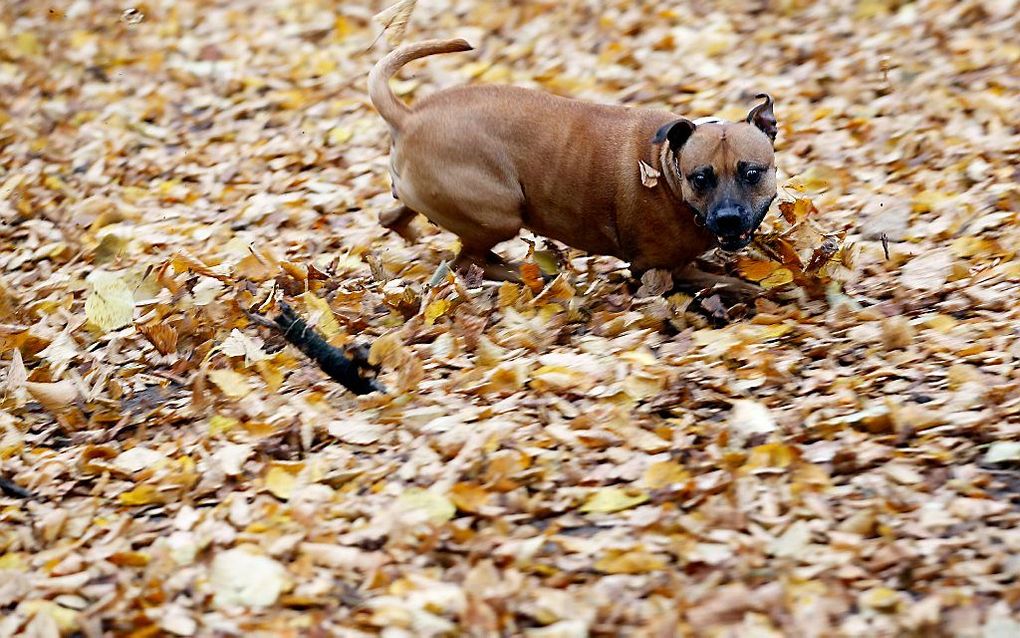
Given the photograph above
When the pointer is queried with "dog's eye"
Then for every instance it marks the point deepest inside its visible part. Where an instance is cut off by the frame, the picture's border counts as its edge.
(701, 180)
(752, 175)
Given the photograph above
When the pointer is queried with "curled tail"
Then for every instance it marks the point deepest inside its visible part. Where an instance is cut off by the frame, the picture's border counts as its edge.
(389, 106)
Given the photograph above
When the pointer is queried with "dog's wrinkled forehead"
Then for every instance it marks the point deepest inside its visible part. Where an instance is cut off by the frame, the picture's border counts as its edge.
(722, 144)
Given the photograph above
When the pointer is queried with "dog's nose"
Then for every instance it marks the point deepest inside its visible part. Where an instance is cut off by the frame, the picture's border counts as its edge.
(729, 221)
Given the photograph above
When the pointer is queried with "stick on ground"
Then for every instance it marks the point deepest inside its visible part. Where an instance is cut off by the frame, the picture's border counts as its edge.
(350, 369)
(12, 489)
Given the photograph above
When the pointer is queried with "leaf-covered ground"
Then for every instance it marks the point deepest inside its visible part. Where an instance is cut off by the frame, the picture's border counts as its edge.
(587, 459)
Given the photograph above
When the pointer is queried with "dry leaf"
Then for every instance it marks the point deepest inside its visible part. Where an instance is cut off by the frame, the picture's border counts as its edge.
(233, 384)
(280, 482)
(649, 176)
(110, 304)
(357, 432)
(433, 506)
(394, 20)
(655, 283)
(57, 397)
(241, 578)
(162, 336)
(612, 499)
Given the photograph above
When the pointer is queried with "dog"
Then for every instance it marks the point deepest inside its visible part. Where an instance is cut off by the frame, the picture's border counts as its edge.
(486, 161)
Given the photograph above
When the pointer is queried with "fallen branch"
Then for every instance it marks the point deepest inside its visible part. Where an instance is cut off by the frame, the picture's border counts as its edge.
(349, 368)
(12, 489)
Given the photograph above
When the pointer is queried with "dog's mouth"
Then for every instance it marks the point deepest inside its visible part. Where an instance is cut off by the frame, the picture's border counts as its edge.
(733, 243)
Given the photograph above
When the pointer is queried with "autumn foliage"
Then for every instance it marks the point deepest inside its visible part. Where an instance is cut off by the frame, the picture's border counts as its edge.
(583, 454)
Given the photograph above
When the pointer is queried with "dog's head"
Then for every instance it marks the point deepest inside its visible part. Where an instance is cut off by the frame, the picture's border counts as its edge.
(726, 171)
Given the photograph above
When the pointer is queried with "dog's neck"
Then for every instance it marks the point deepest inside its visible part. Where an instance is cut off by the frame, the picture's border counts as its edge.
(669, 166)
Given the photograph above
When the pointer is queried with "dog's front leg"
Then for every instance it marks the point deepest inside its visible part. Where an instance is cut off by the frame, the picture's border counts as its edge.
(693, 279)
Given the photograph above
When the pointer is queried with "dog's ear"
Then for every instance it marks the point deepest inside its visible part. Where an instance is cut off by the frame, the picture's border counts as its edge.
(763, 117)
(676, 132)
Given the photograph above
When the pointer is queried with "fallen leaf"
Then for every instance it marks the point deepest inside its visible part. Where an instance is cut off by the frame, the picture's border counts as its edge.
(435, 507)
(280, 482)
(469, 497)
(233, 384)
(749, 418)
(357, 432)
(162, 336)
(321, 315)
(655, 283)
(57, 397)
(394, 20)
(928, 271)
(239, 577)
(109, 304)
(662, 474)
(139, 458)
(142, 495)
(612, 499)
(1002, 452)
(632, 562)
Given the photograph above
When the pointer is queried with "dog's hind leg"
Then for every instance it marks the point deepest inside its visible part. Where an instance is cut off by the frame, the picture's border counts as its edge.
(494, 267)
(399, 220)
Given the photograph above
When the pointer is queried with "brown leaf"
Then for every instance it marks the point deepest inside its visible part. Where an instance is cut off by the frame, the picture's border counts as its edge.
(161, 335)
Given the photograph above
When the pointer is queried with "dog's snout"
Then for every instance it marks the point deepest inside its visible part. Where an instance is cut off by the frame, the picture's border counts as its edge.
(729, 220)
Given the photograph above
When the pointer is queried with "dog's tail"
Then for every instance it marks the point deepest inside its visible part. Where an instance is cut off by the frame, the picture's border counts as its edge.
(389, 105)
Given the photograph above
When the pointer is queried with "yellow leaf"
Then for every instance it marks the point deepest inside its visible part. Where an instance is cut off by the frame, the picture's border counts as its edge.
(65, 619)
(880, 598)
(509, 294)
(612, 499)
(770, 455)
(218, 424)
(233, 384)
(941, 323)
(779, 277)
(816, 179)
(386, 351)
(435, 310)
(14, 561)
(469, 497)
(26, 43)
(659, 475)
(774, 331)
(110, 304)
(322, 315)
(338, 135)
(141, 495)
(280, 482)
(641, 385)
(547, 261)
(929, 200)
(435, 506)
(632, 562)
(560, 378)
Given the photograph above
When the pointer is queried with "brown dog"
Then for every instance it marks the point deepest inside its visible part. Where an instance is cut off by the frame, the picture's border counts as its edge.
(486, 161)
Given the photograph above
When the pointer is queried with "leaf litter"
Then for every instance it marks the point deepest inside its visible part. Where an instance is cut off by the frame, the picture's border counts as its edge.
(562, 458)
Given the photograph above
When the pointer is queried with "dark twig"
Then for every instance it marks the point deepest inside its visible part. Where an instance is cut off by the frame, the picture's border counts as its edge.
(885, 245)
(12, 489)
(350, 369)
